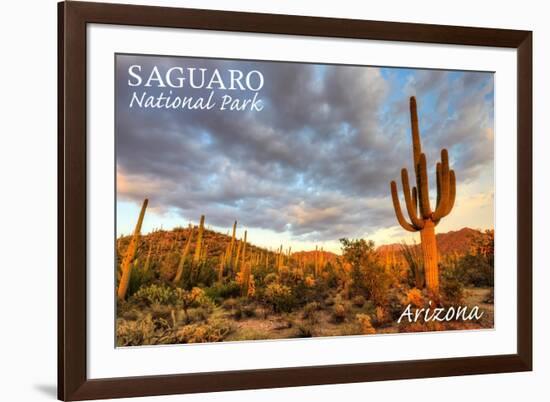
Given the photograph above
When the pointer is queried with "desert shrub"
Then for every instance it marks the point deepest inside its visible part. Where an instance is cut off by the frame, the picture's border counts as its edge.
(260, 272)
(422, 326)
(155, 294)
(329, 301)
(204, 274)
(270, 278)
(222, 291)
(244, 310)
(475, 270)
(138, 278)
(411, 254)
(339, 313)
(377, 283)
(279, 297)
(305, 330)
(415, 297)
(195, 297)
(214, 331)
(434, 326)
(133, 333)
(330, 275)
(415, 326)
(380, 316)
(160, 311)
(145, 331)
(310, 310)
(490, 298)
(169, 266)
(365, 325)
(198, 314)
(395, 305)
(130, 314)
(229, 304)
(249, 310)
(452, 289)
(309, 281)
(367, 275)
(358, 301)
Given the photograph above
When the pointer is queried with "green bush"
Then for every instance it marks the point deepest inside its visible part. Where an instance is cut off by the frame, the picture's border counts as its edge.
(169, 266)
(270, 278)
(395, 305)
(358, 301)
(222, 291)
(475, 270)
(452, 289)
(305, 330)
(279, 297)
(368, 276)
(155, 294)
(214, 331)
(490, 298)
(230, 304)
(243, 309)
(138, 278)
(339, 313)
(145, 331)
(310, 310)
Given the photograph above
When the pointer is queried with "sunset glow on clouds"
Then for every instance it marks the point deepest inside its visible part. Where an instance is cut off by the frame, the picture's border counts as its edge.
(315, 164)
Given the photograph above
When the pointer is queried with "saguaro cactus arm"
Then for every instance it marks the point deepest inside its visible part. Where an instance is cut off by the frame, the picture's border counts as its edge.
(411, 207)
(446, 188)
(446, 208)
(417, 148)
(423, 188)
(397, 208)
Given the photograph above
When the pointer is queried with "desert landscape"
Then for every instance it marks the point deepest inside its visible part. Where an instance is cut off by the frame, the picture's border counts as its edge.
(284, 222)
(192, 285)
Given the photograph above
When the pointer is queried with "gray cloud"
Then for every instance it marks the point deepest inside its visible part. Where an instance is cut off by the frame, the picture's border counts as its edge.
(328, 142)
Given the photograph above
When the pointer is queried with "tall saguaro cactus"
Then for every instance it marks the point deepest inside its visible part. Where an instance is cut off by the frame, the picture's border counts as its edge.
(127, 263)
(417, 201)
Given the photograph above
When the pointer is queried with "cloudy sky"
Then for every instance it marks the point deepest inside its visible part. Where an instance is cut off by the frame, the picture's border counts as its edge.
(311, 167)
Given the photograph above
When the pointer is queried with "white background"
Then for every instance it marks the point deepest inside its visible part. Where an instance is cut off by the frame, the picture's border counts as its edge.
(28, 200)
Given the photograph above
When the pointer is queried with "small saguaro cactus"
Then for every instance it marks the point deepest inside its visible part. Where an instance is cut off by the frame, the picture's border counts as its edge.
(243, 254)
(229, 258)
(417, 201)
(238, 255)
(223, 261)
(128, 261)
(198, 246)
(184, 255)
(148, 259)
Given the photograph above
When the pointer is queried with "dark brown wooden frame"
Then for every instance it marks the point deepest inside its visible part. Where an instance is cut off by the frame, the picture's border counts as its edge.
(73, 17)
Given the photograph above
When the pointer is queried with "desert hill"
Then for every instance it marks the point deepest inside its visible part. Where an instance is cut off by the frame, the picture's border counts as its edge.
(453, 242)
(162, 242)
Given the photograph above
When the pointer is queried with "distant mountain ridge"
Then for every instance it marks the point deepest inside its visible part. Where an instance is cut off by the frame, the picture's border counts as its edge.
(456, 241)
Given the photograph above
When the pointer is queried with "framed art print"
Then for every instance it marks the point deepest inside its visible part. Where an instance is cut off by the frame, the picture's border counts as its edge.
(253, 200)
